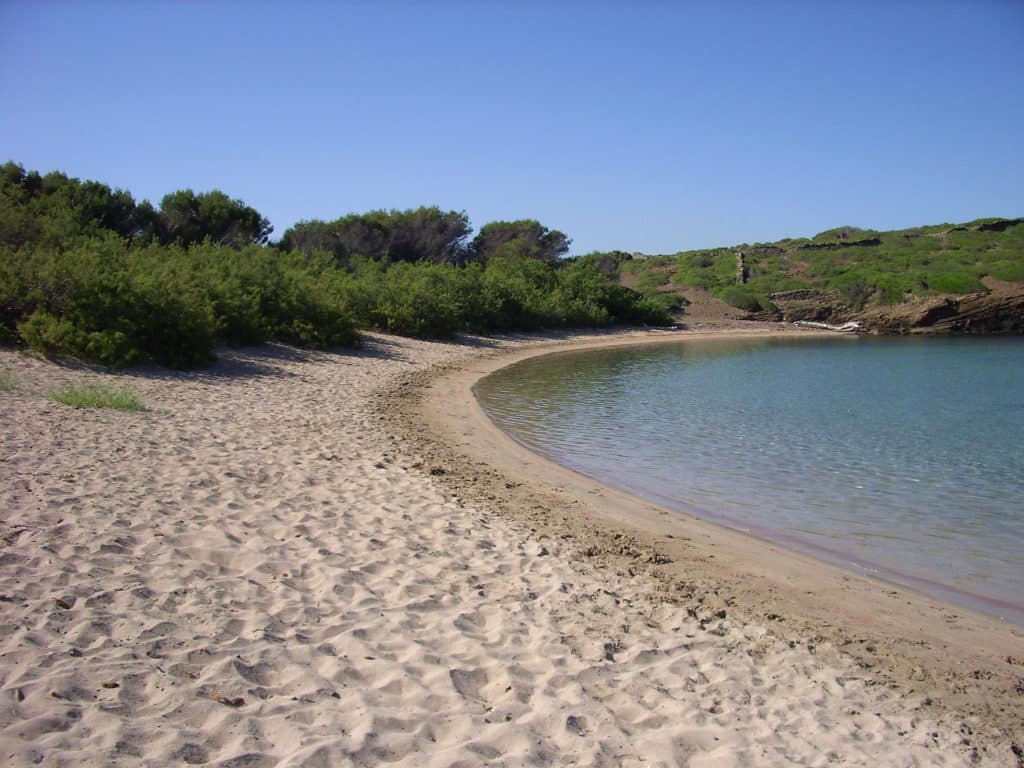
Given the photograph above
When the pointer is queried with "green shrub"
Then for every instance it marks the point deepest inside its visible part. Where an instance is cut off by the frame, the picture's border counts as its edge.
(841, 234)
(258, 294)
(630, 266)
(866, 281)
(745, 298)
(43, 332)
(665, 302)
(414, 298)
(1011, 271)
(694, 279)
(857, 294)
(115, 305)
(512, 291)
(7, 383)
(890, 295)
(706, 269)
(583, 297)
(651, 280)
(954, 282)
(515, 291)
(609, 263)
(98, 396)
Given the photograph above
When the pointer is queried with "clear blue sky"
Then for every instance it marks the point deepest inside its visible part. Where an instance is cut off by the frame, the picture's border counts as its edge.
(649, 126)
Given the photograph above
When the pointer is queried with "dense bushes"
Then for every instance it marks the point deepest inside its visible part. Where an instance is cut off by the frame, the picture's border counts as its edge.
(583, 297)
(514, 294)
(116, 304)
(105, 301)
(258, 294)
(86, 271)
(509, 293)
(706, 269)
(411, 298)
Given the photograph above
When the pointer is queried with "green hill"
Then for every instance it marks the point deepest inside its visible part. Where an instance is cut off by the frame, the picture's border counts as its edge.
(851, 267)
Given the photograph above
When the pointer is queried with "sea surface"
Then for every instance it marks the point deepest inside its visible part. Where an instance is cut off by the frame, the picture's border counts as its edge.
(898, 458)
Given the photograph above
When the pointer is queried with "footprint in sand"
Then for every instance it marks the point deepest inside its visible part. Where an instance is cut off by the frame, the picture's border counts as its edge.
(259, 673)
(469, 682)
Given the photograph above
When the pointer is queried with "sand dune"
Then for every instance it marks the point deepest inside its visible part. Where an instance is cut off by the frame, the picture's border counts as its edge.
(254, 572)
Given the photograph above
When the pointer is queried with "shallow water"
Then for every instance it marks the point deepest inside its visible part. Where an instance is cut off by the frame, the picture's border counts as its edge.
(897, 458)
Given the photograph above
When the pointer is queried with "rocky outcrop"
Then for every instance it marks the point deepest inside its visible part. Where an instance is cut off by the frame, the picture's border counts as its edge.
(995, 313)
(765, 250)
(800, 294)
(810, 305)
(998, 225)
(981, 314)
(840, 244)
(815, 311)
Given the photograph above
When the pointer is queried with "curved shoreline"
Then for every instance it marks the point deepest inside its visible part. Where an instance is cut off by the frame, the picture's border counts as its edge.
(967, 661)
(938, 584)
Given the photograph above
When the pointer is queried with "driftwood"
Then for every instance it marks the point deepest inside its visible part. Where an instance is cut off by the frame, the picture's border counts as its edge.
(854, 326)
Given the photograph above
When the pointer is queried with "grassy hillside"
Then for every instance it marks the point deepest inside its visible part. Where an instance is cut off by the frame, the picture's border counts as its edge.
(856, 267)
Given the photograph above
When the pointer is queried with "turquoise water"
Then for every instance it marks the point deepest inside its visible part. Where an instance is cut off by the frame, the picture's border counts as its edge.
(900, 458)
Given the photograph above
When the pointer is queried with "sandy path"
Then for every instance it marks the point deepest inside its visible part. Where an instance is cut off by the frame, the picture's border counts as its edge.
(258, 538)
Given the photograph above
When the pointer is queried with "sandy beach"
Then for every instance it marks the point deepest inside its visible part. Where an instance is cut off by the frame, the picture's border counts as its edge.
(331, 559)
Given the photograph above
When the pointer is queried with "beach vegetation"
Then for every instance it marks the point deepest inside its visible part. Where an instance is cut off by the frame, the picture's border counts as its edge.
(95, 395)
(88, 272)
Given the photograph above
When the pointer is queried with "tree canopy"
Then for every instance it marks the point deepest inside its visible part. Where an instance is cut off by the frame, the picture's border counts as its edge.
(187, 217)
(420, 234)
(533, 239)
(55, 208)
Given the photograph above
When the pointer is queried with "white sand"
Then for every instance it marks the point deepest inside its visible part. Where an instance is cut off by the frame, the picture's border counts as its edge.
(255, 535)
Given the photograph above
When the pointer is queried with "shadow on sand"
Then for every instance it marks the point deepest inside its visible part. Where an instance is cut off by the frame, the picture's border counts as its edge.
(270, 359)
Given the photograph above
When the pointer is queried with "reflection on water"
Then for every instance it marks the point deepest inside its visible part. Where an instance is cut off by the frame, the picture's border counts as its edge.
(897, 457)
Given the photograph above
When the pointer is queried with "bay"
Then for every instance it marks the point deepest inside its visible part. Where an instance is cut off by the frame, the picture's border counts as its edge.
(898, 458)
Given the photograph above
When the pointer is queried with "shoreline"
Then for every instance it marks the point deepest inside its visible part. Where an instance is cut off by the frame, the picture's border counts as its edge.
(902, 637)
(924, 587)
(932, 585)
